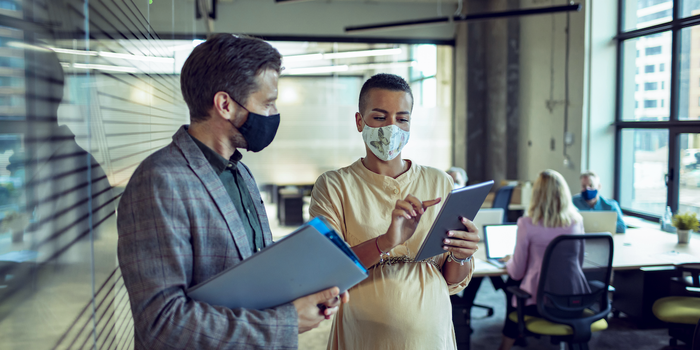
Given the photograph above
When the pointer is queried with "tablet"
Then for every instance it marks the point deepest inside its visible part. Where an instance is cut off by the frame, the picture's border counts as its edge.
(464, 202)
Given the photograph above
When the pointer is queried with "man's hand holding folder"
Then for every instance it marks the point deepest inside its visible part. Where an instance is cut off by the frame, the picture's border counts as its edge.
(313, 309)
(298, 269)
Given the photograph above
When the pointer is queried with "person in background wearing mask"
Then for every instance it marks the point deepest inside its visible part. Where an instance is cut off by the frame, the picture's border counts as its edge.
(383, 206)
(192, 210)
(549, 216)
(459, 176)
(590, 199)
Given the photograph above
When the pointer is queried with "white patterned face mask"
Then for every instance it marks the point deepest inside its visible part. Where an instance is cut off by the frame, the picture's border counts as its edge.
(386, 142)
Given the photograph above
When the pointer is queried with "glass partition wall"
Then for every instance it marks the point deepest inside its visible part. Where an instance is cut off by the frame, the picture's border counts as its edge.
(88, 90)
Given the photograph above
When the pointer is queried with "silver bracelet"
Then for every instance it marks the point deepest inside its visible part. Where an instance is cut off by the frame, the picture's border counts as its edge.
(459, 261)
(382, 253)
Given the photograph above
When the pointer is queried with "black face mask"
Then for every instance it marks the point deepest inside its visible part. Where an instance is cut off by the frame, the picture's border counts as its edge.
(259, 130)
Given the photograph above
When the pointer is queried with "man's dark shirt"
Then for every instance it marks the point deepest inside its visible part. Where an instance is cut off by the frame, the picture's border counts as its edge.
(236, 188)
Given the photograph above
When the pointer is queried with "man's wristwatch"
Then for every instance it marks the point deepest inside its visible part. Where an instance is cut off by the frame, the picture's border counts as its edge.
(459, 261)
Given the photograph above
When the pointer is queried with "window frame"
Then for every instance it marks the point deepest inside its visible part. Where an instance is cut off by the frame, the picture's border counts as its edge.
(674, 125)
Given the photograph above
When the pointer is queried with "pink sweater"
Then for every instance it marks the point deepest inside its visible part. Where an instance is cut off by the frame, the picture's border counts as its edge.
(531, 244)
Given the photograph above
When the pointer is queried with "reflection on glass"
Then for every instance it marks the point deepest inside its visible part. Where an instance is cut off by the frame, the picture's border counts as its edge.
(646, 13)
(77, 117)
(646, 89)
(12, 199)
(12, 87)
(689, 199)
(689, 97)
(690, 7)
(643, 168)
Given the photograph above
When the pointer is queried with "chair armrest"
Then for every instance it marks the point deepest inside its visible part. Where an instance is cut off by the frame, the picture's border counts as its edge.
(519, 293)
(520, 297)
(693, 289)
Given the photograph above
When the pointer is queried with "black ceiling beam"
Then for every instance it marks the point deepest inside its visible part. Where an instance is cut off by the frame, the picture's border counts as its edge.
(464, 18)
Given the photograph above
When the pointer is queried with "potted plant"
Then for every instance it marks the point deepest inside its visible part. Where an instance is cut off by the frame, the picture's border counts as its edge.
(685, 223)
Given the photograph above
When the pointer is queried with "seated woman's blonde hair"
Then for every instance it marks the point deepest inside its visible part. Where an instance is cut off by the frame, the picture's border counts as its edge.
(551, 204)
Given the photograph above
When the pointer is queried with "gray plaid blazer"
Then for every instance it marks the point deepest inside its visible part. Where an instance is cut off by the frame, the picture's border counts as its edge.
(177, 228)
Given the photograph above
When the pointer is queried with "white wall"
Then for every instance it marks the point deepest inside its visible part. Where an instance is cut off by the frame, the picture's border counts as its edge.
(598, 136)
(591, 92)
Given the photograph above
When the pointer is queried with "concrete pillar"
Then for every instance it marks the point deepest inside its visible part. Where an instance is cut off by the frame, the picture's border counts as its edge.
(459, 126)
(493, 93)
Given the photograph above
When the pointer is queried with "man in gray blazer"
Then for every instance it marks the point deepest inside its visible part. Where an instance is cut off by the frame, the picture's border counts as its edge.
(192, 210)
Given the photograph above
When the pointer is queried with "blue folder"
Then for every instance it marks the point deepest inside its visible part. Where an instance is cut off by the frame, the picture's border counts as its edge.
(309, 260)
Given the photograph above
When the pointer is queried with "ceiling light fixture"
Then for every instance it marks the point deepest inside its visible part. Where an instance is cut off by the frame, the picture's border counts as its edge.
(346, 68)
(316, 70)
(105, 67)
(74, 52)
(137, 57)
(464, 18)
(124, 56)
(338, 55)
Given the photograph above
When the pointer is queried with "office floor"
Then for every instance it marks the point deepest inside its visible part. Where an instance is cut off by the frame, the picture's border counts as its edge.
(22, 335)
(621, 334)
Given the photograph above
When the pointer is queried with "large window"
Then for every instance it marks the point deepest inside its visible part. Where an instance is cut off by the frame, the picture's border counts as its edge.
(658, 147)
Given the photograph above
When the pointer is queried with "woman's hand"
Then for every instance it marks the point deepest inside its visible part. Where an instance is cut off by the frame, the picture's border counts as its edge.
(404, 220)
(463, 244)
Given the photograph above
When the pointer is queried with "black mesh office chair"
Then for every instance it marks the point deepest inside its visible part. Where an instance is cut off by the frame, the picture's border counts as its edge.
(572, 296)
(502, 200)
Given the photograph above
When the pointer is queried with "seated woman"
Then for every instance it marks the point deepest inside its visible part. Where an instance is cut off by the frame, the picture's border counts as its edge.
(383, 206)
(551, 214)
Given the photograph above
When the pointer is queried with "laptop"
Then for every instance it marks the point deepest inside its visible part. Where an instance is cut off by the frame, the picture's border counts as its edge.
(487, 217)
(500, 242)
(599, 221)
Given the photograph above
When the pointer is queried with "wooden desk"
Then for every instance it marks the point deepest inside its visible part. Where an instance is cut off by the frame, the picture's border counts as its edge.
(511, 206)
(638, 248)
(645, 247)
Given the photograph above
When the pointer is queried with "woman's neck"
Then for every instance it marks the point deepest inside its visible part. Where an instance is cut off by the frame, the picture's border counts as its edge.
(391, 168)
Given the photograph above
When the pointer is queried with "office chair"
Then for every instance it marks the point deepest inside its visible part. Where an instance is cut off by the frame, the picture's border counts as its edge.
(502, 200)
(570, 312)
(681, 311)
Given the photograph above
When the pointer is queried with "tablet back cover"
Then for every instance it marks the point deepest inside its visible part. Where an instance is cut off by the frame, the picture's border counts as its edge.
(464, 202)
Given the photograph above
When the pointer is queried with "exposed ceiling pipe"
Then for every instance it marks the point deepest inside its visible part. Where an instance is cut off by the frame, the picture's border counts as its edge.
(464, 18)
